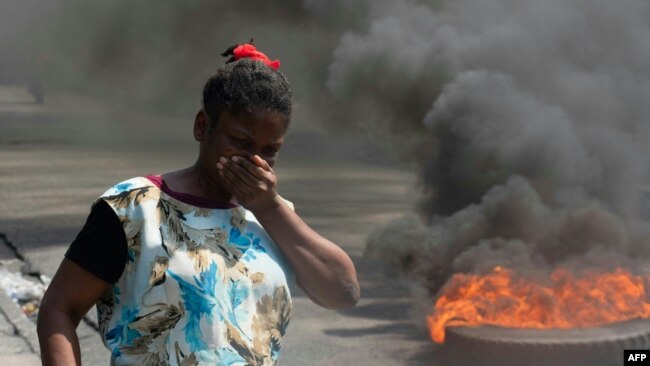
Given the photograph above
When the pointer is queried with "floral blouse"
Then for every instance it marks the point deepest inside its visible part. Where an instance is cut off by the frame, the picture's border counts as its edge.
(201, 286)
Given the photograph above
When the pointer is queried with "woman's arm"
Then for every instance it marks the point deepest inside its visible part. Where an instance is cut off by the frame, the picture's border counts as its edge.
(324, 271)
(71, 294)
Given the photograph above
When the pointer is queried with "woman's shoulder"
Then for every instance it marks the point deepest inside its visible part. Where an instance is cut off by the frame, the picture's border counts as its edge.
(136, 190)
(131, 184)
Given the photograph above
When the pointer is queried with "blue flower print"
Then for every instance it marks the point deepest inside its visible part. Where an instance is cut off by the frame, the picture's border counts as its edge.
(123, 187)
(121, 333)
(205, 298)
(237, 296)
(254, 248)
(241, 242)
(199, 300)
(247, 243)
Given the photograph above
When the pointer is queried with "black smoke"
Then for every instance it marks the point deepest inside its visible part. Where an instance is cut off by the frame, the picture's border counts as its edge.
(532, 121)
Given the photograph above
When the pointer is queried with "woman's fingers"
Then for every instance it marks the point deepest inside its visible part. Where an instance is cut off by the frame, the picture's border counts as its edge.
(254, 175)
(239, 172)
(232, 181)
(257, 160)
(233, 186)
(250, 183)
(254, 169)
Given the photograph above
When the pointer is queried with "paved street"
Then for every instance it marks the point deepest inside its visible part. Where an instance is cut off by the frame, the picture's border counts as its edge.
(55, 159)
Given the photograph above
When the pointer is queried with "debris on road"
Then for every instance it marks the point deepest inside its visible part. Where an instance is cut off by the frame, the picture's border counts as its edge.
(24, 292)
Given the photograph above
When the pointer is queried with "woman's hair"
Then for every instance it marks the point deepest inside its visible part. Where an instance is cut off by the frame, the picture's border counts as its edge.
(244, 86)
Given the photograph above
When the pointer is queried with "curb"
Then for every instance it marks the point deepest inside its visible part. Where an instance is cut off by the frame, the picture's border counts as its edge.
(25, 328)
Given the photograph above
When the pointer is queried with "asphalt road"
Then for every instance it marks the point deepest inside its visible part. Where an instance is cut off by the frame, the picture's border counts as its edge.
(56, 158)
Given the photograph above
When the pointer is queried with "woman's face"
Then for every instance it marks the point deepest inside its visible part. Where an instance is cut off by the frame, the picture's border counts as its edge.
(244, 134)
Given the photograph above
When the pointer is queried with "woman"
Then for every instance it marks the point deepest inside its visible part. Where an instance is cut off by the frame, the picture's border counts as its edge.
(194, 266)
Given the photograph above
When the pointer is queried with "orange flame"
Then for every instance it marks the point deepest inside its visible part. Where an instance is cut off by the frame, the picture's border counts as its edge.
(501, 298)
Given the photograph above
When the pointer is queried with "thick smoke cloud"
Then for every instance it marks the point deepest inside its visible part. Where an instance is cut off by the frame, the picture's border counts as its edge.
(533, 122)
(390, 75)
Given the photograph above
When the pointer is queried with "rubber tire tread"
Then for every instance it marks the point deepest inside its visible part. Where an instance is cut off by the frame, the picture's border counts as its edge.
(499, 346)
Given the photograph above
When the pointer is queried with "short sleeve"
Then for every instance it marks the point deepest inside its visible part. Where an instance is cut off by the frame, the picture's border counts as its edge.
(100, 246)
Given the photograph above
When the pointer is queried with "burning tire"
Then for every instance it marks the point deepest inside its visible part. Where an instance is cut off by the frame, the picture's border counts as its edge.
(492, 345)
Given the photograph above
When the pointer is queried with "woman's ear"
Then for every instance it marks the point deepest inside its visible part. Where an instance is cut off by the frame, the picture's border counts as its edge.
(201, 125)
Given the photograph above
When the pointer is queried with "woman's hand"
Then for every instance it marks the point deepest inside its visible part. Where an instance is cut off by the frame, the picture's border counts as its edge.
(253, 182)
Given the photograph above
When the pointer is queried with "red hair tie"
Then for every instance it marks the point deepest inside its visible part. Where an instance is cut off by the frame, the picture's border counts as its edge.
(248, 50)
